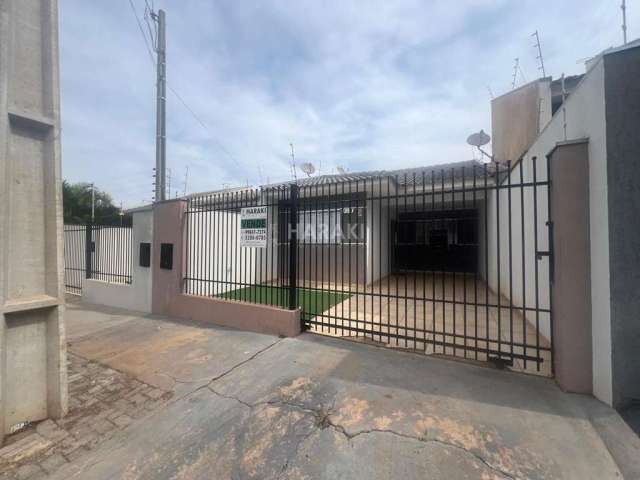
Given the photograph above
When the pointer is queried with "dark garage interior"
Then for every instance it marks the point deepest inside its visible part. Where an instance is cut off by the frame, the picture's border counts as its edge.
(445, 240)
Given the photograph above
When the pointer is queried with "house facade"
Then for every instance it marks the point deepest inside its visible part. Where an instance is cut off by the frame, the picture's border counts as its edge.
(529, 262)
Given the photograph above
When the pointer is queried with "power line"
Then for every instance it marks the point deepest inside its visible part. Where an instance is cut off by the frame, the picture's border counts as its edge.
(203, 125)
(144, 36)
(178, 96)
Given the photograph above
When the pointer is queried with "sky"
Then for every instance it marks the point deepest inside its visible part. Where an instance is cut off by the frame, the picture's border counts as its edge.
(361, 85)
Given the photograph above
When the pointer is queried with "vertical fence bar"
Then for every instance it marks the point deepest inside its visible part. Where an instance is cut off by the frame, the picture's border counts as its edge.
(87, 250)
(486, 262)
(535, 242)
(477, 265)
(498, 260)
(551, 262)
(464, 273)
(524, 267)
(454, 273)
(509, 212)
(293, 247)
(433, 267)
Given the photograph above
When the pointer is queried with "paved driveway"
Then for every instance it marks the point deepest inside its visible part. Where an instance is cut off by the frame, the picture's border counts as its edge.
(252, 406)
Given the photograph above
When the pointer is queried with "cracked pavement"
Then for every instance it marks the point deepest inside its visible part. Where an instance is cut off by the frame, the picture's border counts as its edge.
(252, 406)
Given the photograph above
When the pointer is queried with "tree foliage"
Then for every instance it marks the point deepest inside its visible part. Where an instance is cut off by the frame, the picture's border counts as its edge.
(77, 205)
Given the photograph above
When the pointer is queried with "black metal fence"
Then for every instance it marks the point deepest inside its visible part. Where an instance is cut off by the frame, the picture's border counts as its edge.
(100, 252)
(453, 261)
(74, 257)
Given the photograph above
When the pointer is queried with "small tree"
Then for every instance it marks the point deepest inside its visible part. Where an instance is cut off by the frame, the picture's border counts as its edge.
(77, 205)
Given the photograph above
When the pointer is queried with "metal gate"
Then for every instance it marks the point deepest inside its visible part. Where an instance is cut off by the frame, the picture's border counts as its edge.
(451, 261)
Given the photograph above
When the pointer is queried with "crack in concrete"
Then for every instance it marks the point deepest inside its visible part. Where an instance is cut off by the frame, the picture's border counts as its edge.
(238, 365)
(227, 372)
(323, 420)
(175, 379)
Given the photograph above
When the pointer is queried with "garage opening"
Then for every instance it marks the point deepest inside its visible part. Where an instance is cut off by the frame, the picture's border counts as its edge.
(443, 241)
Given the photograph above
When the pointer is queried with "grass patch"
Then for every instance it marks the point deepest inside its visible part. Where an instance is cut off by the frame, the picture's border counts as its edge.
(312, 302)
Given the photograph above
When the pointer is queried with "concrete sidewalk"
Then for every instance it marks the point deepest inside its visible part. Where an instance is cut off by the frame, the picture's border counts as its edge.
(245, 405)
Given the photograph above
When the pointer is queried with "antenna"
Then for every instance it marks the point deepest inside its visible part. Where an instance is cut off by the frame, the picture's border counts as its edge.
(539, 57)
(308, 168)
(623, 7)
(186, 178)
(516, 67)
(168, 177)
(293, 163)
(490, 92)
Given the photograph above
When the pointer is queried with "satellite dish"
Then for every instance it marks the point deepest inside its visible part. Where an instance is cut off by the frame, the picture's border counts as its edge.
(341, 170)
(308, 168)
(478, 139)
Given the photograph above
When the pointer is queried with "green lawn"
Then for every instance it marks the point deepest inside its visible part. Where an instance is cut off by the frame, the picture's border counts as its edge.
(312, 302)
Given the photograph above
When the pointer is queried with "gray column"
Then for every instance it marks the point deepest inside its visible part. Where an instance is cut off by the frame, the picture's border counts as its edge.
(571, 290)
(33, 378)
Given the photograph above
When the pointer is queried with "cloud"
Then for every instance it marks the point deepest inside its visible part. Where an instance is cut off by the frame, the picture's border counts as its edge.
(364, 85)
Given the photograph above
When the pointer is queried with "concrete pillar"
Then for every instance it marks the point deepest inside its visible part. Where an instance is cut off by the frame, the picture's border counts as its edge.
(571, 290)
(33, 375)
(168, 229)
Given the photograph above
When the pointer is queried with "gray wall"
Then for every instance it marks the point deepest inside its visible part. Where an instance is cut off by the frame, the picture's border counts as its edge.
(622, 100)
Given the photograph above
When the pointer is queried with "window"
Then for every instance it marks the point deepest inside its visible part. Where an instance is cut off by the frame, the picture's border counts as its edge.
(352, 224)
(326, 226)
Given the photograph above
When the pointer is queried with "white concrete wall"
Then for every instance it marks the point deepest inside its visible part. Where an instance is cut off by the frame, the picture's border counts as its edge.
(137, 295)
(117, 295)
(584, 112)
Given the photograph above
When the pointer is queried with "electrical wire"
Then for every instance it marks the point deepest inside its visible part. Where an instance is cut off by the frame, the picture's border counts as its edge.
(178, 96)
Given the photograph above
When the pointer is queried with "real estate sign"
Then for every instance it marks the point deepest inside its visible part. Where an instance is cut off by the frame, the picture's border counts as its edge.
(253, 227)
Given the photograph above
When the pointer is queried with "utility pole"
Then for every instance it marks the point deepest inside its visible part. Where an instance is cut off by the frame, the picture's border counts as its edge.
(624, 21)
(93, 203)
(293, 164)
(161, 98)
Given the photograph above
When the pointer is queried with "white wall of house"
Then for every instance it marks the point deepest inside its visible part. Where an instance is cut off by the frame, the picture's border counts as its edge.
(581, 116)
